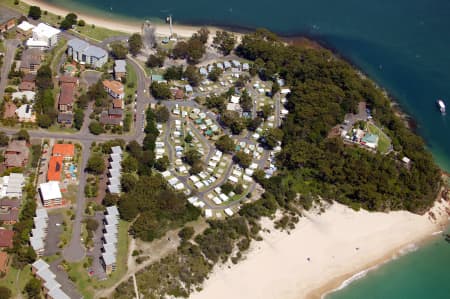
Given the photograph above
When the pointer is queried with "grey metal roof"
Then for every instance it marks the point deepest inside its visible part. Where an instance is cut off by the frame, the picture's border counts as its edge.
(58, 293)
(77, 44)
(112, 210)
(116, 150)
(81, 46)
(120, 66)
(40, 264)
(95, 52)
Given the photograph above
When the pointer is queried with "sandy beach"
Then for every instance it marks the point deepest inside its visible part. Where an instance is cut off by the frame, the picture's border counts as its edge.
(126, 27)
(339, 244)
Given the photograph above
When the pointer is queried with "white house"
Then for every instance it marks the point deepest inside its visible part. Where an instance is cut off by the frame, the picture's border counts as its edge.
(43, 37)
(84, 53)
(50, 193)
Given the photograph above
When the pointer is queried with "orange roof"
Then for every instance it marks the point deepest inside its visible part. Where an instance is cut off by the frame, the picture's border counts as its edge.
(55, 166)
(114, 86)
(65, 150)
(3, 261)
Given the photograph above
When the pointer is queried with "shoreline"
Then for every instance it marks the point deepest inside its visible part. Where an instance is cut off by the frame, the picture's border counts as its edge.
(129, 26)
(343, 245)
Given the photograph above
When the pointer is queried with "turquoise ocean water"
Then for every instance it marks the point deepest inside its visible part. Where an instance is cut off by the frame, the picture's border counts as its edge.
(404, 45)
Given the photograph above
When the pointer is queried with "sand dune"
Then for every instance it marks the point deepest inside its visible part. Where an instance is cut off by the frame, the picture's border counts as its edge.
(339, 243)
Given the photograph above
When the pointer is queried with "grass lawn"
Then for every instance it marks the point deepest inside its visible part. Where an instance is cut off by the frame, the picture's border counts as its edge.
(16, 279)
(87, 285)
(384, 142)
(131, 86)
(2, 47)
(57, 129)
(56, 53)
(90, 31)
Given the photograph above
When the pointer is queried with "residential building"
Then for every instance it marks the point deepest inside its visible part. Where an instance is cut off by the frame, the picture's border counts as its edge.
(11, 186)
(120, 69)
(65, 150)
(84, 53)
(31, 60)
(65, 118)
(106, 119)
(25, 29)
(50, 194)
(9, 210)
(114, 89)
(66, 96)
(50, 286)
(39, 233)
(6, 238)
(43, 37)
(114, 170)
(16, 154)
(7, 20)
(25, 113)
(55, 166)
(27, 95)
(28, 83)
(110, 240)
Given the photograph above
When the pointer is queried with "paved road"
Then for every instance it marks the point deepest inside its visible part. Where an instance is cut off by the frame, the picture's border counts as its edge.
(11, 47)
(75, 251)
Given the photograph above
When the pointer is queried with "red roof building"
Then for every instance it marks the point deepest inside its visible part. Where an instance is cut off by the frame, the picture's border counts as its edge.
(65, 150)
(55, 166)
(6, 238)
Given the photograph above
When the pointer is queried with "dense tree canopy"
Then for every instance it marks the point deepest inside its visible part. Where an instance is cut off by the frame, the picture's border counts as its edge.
(135, 44)
(324, 89)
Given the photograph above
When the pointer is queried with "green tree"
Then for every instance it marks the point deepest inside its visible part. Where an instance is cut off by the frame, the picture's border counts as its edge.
(71, 18)
(273, 136)
(186, 233)
(232, 120)
(4, 139)
(96, 164)
(5, 293)
(34, 12)
(78, 118)
(227, 187)
(44, 77)
(192, 156)
(162, 114)
(135, 44)
(224, 41)
(128, 182)
(214, 74)
(266, 111)
(155, 60)
(243, 159)
(22, 135)
(119, 50)
(65, 24)
(174, 73)
(192, 75)
(162, 164)
(188, 138)
(96, 128)
(92, 224)
(225, 144)
(129, 164)
(33, 288)
(44, 120)
(81, 23)
(160, 91)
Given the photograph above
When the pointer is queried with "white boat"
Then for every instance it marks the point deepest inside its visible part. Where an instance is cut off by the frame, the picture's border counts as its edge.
(441, 106)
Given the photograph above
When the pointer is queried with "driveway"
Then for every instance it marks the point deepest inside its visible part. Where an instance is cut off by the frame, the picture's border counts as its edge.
(54, 231)
(11, 47)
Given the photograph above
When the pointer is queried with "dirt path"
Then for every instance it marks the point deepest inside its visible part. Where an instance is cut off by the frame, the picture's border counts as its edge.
(153, 251)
